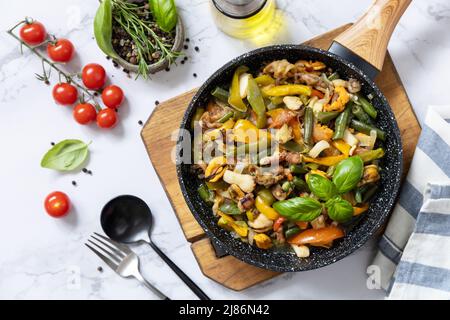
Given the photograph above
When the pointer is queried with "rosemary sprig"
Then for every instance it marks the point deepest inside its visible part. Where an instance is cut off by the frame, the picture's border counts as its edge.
(126, 15)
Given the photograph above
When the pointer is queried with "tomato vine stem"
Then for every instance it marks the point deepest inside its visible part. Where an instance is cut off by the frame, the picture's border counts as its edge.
(45, 76)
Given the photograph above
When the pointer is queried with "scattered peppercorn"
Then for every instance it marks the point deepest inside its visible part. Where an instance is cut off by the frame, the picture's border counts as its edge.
(140, 122)
(47, 82)
(156, 102)
(108, 57)
(115, 64)
(74, 183)
(185, 58)
(100, 269)
(182, 61)
(90, 172)
(167, 69)
(126, 71)
(84, 170)
(52, 143)
(195, 75)
(197, 49)
(187, 39)
(185, 47)
(96, 94)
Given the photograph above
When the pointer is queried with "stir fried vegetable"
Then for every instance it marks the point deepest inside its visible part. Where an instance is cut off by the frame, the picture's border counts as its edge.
(293, 153)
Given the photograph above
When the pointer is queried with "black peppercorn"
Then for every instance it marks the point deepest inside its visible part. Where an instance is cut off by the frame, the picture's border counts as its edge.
(52, 143)
(156, 102)
(197, 49)
(195, 75)
(100, 269)
(84, 170)
(187, 39)
(140, 122)
(182, 61)
(167, 69)
(185, 47)
(74, 183)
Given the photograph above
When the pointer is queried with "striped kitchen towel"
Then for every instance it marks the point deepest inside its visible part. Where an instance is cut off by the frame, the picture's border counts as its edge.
(431, 164)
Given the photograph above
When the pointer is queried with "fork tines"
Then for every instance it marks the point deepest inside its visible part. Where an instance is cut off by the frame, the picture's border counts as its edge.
(111, 252)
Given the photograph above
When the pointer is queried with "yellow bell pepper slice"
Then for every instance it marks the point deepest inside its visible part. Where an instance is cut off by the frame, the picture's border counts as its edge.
(264, 80)
(227, 222)
(235, 99)
(246, 132)
(265, 209)
(342, 146)
(358, 210)
(263, 241)
(326, 161)
(341, 101)
(250, 215)
(213, 165)
(216, 133)
(287, 90)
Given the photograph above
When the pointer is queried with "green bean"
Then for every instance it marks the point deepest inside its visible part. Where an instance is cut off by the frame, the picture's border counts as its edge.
(308, 126)
(367, 106)
(325, 117)
(341, 123)
(297, 169)
(226, 117)
(366, 128)
(300, 184)
(371, 155)
(197, 115)
(362, 116)
(206, 194)
(220, 94)
(333, 76)
(292, 232)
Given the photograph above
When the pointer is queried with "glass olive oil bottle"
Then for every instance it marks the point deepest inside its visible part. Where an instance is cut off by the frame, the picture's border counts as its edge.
(244, 19)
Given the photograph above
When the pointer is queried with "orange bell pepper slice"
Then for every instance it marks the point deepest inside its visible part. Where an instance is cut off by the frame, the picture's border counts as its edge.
(359, 210)
(326, 161)
(317, 236)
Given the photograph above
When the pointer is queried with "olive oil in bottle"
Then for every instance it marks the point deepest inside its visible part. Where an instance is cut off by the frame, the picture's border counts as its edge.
(244, 19)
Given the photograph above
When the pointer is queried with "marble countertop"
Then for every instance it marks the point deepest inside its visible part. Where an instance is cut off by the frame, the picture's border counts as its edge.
(44, 258)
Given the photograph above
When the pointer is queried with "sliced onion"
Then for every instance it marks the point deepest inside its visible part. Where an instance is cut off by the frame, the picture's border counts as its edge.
(243, 84)
(350, 138)
(339, 83)
(367, 140)
(251, 236)
(318, 148)
(292, 102)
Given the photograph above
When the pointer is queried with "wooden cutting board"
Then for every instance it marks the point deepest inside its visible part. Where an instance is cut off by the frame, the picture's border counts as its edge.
(157, 137)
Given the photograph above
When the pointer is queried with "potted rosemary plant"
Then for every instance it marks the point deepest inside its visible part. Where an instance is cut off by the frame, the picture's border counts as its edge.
(143, 36)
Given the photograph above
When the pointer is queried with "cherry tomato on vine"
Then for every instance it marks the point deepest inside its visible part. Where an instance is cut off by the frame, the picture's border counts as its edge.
(93, 76)
(57, 204)
(84, 113)
(61, 50)
(65, 93)
(112, 96)
(33, 33)
(107, 118)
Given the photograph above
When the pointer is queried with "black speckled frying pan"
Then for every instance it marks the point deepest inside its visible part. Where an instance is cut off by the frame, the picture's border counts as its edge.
(357, 53)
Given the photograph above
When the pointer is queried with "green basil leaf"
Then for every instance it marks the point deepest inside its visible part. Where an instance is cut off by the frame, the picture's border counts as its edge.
(66, 155)
(321, 187)
(230, 208)
(165, 13)
(299, 209)
(348, 173)
(339, 210)
(103, 28)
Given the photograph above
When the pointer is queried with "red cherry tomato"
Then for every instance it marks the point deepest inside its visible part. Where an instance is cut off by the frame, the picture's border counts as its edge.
(93, 76)
(33, 33)
(84, 113)
(107, 118)
(57, 204)
(65, 93)
(60, 51)
(112, 96)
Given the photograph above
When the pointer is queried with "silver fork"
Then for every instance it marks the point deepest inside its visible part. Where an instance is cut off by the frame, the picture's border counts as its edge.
(121, 259)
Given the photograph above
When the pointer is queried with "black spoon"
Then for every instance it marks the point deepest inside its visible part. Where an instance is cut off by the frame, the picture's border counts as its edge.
(128, 219)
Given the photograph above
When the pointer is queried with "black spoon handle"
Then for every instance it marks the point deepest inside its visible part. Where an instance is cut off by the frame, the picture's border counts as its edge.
(180, 273)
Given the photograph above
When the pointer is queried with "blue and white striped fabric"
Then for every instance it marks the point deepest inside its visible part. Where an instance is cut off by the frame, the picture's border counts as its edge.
(416, 243)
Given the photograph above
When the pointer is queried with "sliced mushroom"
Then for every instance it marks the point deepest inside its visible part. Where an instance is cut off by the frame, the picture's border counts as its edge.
(278, 192)
(261, 223)
(245, 181)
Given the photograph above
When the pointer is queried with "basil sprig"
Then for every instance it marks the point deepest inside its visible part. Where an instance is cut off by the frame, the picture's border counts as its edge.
(165, 13)
(339, 210)
(66, 155)
(347, 174)
(321, 187)
(299, 209)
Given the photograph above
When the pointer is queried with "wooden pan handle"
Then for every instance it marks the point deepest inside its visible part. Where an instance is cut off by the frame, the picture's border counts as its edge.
(369, 36)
